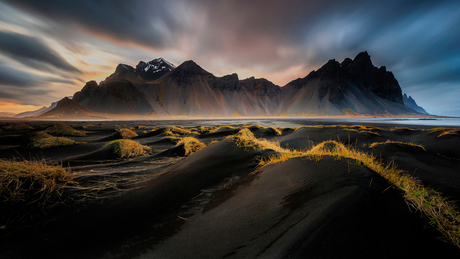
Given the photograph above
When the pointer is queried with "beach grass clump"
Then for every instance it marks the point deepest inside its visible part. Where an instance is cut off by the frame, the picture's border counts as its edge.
(17, 126)
(398, 143)
(141, 127)
(88, 126)
(246, 139)
(125, 148)
(127, 133)
(45, 143)
(176, 130)
(449, 132)
(276, 130)
(191, 145)
(43, 140)
(30, 187)
(63, 130)
(204, 130)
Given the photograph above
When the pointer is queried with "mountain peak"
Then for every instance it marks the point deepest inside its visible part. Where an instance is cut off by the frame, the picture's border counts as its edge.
(153, 69)
(189, 68)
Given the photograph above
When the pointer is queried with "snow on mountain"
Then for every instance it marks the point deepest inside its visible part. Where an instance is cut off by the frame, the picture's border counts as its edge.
(154, 69)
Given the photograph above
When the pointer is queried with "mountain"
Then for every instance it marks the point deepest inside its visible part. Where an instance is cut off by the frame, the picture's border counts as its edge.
(154, 69)
(158, 88)
(353, 87)
(409, 102)
(38, 112)
(67, 108)
(6, 114)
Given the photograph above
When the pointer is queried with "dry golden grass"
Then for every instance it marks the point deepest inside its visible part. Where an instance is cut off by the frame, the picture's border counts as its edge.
(396, 142)
(191, 145)
(63, 130)
(276, 130)
(125, 148)
(449, 132)
(246, 139)
(204, 130)
(17, 126)
(27, 188)
(127, 133)
(141, 127)
(171, 130)
(42, 140)
(88, 126)
(51, 142)
(442, 213)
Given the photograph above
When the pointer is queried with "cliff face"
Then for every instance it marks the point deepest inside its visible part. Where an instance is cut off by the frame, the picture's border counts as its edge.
(349, 88)
(409, 102)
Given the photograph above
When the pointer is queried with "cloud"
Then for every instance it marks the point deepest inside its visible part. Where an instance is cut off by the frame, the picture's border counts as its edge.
(26, 48)
(416, 39)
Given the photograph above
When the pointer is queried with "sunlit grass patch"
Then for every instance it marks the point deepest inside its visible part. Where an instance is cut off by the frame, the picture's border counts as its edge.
(141, 127)
(30, 187)
(88, 126)
(204, 130)
(396, 142)
(63, 130)
(449, 132)
(125, 148)
(276, 130)
(191, 145)
(172, 130)
(227, 127)
(246, 139)
(127, 133)
(51, 142)
(43, 140)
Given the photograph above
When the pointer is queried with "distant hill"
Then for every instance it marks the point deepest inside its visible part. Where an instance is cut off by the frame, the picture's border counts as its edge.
(159, 89)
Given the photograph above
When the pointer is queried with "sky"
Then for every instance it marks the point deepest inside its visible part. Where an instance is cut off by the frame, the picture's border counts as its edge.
(50, 48)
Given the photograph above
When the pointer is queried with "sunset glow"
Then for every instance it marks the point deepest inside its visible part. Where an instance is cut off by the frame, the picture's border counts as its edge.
(49, 49)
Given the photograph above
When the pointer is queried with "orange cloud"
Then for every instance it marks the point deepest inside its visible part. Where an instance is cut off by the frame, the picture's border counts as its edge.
(17, 108)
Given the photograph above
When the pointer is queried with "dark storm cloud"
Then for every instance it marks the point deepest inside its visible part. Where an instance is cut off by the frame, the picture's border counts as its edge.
(419, 40)
(16, 78)
(11, 76)
(24, 48)
(144, 22)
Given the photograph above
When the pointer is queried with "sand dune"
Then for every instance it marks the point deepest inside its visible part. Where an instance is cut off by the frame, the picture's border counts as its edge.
(218, 203)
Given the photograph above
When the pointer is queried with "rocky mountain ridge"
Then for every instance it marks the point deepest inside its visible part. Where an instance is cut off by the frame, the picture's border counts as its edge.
(352, 87)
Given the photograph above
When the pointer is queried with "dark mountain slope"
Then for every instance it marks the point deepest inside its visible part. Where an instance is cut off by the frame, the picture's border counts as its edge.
(157, 88)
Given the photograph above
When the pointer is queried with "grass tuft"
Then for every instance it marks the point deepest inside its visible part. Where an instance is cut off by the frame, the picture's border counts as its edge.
(28, 188)
(191, 145)
(129, 148)
(63, 130)
(396, 142)
(246, 139)
(171, 130)
(17, 126)
(141, 127)
(42, 140)
(204, 130)
(127, 133)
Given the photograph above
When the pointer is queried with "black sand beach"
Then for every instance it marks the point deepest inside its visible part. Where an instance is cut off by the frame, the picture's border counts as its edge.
(219, 202)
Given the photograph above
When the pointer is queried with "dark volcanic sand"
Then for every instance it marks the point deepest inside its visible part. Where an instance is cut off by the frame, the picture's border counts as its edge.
(216, 204)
